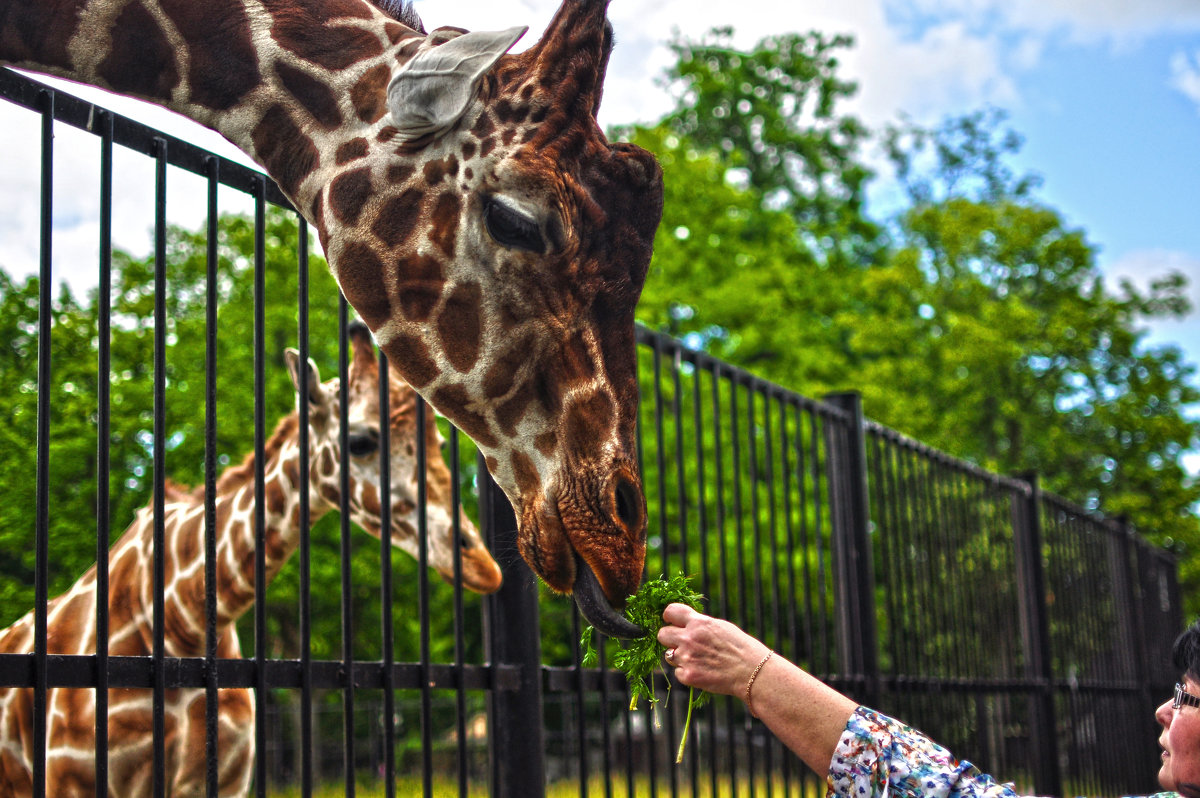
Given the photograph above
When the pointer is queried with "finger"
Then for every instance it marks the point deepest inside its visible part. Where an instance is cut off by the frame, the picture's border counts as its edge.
(670, 636)
(678, 614)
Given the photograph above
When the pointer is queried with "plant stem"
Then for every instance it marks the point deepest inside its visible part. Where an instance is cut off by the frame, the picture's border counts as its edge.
(686, 725)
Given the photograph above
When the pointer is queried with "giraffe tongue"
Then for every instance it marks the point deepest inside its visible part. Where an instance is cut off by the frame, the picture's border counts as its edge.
(595, 607)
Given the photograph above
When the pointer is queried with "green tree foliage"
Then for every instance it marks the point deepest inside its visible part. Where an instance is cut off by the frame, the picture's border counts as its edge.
(771, 115)
(980, 323)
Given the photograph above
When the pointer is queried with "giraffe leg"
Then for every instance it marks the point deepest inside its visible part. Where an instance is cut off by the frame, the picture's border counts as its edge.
(235, 744)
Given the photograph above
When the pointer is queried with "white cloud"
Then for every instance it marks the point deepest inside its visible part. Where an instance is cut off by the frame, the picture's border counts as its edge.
(1185, 75)
(1141, 268)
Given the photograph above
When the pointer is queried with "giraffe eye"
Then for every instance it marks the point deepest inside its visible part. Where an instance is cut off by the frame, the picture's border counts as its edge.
(512, 228)
(363, 444)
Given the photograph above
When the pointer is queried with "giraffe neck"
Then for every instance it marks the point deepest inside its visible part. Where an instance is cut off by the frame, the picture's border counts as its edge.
(236, 530)
(254, 71)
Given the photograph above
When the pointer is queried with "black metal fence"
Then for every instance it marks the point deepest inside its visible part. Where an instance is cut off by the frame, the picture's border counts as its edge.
(1028, 635)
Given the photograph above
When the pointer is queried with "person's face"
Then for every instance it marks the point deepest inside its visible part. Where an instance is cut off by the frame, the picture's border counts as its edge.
(1180, 741)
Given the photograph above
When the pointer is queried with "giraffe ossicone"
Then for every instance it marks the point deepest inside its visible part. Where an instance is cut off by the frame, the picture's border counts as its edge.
(494, 240)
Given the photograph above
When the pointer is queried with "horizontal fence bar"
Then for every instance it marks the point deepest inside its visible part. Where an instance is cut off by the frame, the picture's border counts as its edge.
(62, 670)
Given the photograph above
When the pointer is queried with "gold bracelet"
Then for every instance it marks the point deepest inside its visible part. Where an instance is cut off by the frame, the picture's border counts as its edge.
(753, 676)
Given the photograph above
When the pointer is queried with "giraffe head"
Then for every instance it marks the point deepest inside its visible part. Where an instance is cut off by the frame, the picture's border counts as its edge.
(480, 572)
(498, 262)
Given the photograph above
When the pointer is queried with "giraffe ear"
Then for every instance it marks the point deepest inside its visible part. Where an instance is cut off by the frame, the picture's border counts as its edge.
(315, 393)
(430, 92)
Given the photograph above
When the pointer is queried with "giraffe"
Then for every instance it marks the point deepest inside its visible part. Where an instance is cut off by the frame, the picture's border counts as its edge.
(469, 204)
(70, 738)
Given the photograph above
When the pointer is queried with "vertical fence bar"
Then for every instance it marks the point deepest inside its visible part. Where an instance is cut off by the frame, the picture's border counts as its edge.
(388, 654)
(259, 515)
(1035, 636)
(104, 123)
(346, 548)
(160, 465)
(211, 720)
(511, 637)
(855, 576)
(460, 693)
(305, 598)
(42, 495)
(423, 604)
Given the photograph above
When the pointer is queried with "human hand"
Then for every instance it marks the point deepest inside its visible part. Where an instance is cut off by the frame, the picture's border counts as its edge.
(709, 653)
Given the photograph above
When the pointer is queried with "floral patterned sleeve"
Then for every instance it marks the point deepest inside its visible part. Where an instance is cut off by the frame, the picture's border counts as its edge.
(878, 757)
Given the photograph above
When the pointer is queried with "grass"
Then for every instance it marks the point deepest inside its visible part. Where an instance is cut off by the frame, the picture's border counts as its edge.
(445, 787)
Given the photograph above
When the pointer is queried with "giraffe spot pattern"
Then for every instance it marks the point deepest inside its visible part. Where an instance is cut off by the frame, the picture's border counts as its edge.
(501, 377)
(288, 154)
(338, 47)
(39, 32)
(398, 217)
(525, 473)
(222, 63)
(510, 412)
(509, 114)
(443, 230)
(368, 95)
(400, 172)
(458, 327)
(436, 170)
(456, 402)
(348, 193)
(420, 287)
(411, 356)
(140, 61)
(360, 275)
(351, 151)
(315, 96)
(546, 443)
(71, 776)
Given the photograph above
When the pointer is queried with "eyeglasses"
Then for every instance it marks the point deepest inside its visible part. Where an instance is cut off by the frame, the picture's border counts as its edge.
(1183, 697)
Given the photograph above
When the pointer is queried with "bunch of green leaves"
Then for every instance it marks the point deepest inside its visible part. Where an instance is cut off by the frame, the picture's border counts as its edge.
(638, 658)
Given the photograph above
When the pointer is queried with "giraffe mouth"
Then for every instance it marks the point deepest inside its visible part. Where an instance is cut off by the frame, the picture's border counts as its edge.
(595, 607)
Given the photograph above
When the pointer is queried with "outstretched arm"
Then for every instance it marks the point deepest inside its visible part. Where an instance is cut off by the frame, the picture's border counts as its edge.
(862, 752)
(807, 715)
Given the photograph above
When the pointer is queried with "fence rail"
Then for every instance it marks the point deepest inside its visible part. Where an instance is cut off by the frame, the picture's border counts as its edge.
(1026, 633)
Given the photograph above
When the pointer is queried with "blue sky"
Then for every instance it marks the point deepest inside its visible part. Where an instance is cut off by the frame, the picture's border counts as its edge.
(1105, 92)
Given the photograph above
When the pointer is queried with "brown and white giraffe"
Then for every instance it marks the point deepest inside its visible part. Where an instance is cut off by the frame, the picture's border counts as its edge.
(70, 738)
(470, 206)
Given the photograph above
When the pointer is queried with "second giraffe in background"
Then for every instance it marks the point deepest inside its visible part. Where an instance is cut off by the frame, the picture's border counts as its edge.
(70, 758)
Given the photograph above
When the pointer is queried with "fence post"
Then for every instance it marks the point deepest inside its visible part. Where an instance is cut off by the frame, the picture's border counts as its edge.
(854, 572)
(512, 637)
(1035, 636)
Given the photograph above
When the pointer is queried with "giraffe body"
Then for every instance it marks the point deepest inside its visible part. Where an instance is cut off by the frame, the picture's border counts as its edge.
(71, 618)
(471, 209)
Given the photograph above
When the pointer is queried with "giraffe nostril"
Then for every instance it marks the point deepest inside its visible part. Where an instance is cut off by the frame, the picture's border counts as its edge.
(628, 504)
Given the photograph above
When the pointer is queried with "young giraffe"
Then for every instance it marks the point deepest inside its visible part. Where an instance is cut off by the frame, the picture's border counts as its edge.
(470, 206)
(70, 739)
